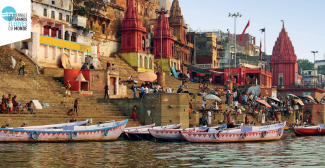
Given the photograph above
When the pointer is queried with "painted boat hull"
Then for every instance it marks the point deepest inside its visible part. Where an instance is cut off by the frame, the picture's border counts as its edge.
(16, 135)
(144, 133)
(309, 131)
(172, 134)
(223, 137)
(167, 134)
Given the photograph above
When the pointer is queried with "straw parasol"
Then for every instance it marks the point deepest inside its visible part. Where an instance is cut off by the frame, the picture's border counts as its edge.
(147, 76)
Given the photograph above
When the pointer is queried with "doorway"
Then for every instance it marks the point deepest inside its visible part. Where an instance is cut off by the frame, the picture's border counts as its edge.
(84, 86)
(112, 86)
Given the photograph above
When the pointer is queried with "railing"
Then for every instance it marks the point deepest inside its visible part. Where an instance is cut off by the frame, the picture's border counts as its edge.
(302, 86)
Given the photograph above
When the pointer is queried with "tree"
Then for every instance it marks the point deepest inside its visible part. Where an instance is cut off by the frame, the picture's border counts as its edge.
(321, 69)
(305, 64)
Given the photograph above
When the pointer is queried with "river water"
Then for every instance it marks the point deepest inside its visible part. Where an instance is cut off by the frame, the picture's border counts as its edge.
(290, 151)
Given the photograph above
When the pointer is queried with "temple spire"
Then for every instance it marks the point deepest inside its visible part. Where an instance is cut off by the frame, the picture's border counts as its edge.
(282, 23)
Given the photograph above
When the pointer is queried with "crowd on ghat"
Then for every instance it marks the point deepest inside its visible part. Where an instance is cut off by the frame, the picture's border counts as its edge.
(251, 105)
(11, 104)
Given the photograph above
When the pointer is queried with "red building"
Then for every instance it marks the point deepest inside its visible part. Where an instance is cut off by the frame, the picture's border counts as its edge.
(239, 76)
(162, 28)
(284, 65)
(133, 33)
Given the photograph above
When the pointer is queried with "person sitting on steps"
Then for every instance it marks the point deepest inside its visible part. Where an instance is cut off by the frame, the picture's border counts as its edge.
(70, 112)
(29, 107)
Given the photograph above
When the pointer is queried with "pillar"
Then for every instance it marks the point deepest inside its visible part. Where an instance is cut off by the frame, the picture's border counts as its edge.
(54, 52)
(46, 51)
(76, 57)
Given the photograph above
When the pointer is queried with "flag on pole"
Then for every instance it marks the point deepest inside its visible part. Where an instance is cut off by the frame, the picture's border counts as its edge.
(261, 49)
(241, 37)
(262, 30)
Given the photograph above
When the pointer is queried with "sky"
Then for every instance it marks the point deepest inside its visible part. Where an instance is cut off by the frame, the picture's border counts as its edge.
(303, 21)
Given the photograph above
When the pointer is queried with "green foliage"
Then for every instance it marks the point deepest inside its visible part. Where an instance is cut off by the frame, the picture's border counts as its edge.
(305, 64)
(321, 69)
(83, 11)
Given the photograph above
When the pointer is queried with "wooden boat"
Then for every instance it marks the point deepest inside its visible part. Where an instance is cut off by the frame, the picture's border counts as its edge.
(54, 126)
(174, 134)
(310, 130)
(244, 134)
(140, 134)
(100, 132)
(139, 127)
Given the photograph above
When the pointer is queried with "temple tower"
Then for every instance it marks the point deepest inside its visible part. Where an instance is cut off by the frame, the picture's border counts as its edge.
(284, 62)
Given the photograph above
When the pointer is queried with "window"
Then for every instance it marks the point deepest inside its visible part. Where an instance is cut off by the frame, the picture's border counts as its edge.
(60, 16)
(143, 43)
(91, 24)
(53, 2)
(67, 18)
(59, 34)
(103, 28)
(45, 12)
(53, 15)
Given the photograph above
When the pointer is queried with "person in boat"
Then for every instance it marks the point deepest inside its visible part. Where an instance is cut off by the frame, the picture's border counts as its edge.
(134, 113)
(24, 125)
(73, 120)
(5, 126)
(70, 112)
(76, 106)
(3, 104)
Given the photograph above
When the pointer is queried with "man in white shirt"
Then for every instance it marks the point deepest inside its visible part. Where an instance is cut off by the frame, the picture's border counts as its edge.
(170, 90)
(236, 105)
(203, 105)
(204, 94)
(239, 111)
(146, 89)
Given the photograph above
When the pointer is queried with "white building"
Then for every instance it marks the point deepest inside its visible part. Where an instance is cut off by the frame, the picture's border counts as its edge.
(53, 34)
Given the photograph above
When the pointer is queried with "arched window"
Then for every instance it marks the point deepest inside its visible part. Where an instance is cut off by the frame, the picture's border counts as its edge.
(142, 10)
(172, 51)
(146, 62)
(214, 63)
(150, 63)
(281, 81)
(143, 43)
(66, 35)
(175, 65)
(141, 61)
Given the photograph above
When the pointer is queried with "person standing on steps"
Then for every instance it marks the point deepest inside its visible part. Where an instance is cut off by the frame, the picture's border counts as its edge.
(22, 67)
(106, 90)
(3, 104)
(76, 106)
(9, 104)
(68, 88)
(134, 113)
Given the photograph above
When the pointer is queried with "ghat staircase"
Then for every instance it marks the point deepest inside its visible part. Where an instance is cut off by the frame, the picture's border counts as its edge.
(46, 89)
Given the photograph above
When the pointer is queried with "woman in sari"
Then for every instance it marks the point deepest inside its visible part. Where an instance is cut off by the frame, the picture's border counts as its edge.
(13, 62)
(134, 113)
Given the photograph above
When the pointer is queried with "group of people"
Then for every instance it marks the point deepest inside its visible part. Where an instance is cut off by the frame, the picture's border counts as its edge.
(11, 104)
(75, 108)
(87, 66)
(110, 66)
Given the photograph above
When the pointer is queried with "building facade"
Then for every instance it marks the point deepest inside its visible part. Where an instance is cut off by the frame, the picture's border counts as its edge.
(206, 51)
(53, 35)
(284, 65)
(183, 48)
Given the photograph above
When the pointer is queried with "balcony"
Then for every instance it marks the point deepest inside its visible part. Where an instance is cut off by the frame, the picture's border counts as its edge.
(79, 21)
